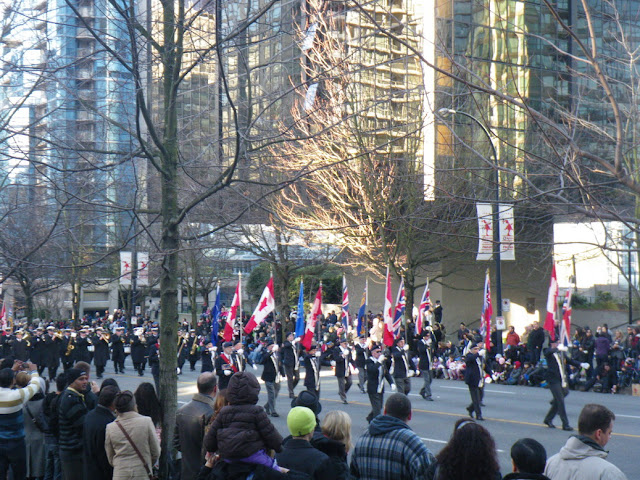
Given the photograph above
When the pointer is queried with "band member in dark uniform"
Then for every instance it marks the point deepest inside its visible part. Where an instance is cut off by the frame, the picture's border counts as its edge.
(376, 374)
(117, 350)
(474, 378)
(52, 352)
(82, 342)
(425, 354)
(312, 369)
(226, 365)
(556, 376)
(291, 362)
(67, 349)
(194, 350)
(101, 351)
(20, 349)
(341, 360)
(138, 350)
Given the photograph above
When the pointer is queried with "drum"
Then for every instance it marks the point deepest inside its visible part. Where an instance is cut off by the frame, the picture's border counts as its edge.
(127, 349)
(91, 348)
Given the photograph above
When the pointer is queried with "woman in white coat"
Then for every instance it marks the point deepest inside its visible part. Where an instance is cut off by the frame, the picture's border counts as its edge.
(127, 463)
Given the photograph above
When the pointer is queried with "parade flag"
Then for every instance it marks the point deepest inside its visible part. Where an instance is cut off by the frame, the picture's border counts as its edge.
(401, 305)
(316, 311)
(266, 305)
(487, 312)
(345, 303)
(565, 326)
(387, 313)
(215, 317)
(232, 314)
(300, 318)
(552, 305)
(3, 317)
(425, 304)
(362, 321)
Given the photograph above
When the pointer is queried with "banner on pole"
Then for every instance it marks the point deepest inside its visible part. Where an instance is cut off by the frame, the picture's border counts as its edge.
(143, 269)
(125, 268)
(507, 232)
(485, 231)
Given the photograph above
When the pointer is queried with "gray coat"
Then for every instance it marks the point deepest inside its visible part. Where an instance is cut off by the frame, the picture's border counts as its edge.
(34, 439)
(191, 420)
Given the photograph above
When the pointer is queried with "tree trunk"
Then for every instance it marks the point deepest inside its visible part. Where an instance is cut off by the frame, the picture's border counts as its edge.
(170, 241)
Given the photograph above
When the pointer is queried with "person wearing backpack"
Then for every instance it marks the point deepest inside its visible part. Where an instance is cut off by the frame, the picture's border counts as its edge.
(50, 409)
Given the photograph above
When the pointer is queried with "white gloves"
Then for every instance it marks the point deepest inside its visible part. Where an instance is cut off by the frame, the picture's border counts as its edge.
(318, 354)
(406, 348)
(356, 371)
(410, 373)
(562, 348)
(240, 351)
(253, 365)
(585, 365)
(333, 363)
(275, 348)
(382, 358)
(228, 372)
(482, 352)
(393, 387)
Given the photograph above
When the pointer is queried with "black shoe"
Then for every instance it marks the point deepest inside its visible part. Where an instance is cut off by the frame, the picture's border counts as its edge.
(345, 402)
(275, 414)
(470, 410)
(363, 391)
(482, 404)
(567, 428)
(428, 399)
(480, 418)
(549, 424)
(291, 395)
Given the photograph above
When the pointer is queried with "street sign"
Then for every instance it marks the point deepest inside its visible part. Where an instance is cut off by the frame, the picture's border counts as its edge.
(506, 305)
(500, 323)
(138, 310)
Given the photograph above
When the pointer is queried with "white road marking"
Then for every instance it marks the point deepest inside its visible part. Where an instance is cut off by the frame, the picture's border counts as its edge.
(442, 441)
(627, 416)
(486, 390)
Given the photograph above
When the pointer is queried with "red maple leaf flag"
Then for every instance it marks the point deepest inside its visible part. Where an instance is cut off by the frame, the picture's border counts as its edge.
(552, 305)
(266, 305)
(230, 324)
(316, 311)
(388, 313)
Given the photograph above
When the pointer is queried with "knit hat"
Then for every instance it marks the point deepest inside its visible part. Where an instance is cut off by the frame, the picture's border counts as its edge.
(307, 399)
(301, 421)
(73, 374)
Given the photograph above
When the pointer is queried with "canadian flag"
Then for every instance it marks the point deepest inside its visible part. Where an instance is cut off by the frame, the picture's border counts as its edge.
(230, 325)
(316, 311)
(266, 305)
(388, 313)
(565, 326)
(552, 305)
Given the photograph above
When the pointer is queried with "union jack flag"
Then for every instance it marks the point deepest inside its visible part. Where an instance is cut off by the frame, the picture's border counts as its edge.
(345, 302)
(565, 325)
(401, 304)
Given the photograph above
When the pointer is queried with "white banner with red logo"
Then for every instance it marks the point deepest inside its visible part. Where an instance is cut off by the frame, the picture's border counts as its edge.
(485, 231)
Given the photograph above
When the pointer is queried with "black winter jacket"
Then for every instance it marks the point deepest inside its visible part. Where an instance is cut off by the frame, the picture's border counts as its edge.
(71, 412)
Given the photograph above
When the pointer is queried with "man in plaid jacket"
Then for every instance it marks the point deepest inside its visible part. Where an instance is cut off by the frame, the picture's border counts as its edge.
(389, 449)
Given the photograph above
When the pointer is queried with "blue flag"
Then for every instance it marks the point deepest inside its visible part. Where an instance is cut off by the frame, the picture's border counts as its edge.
(300, 323)
(362, 321)
(215, 318)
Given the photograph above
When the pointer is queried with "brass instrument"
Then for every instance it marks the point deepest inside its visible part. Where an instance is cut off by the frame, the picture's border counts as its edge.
(70, 346)
(195, 346)
(58, 335)
(105, 336)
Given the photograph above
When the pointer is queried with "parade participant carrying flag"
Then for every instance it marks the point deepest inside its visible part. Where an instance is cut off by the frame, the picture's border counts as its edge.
(300, 318)
(215, 318)
(3, 317)
(345, 303)
(552, 305)
(565, 326)
(387, 313)
(401, 305)
(316, 311)
(425, 304)
(230, 326)
(266, 305)
(487, 312)
(362, 321)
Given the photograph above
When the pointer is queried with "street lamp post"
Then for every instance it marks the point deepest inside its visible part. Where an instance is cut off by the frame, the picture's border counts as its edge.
(496, 217)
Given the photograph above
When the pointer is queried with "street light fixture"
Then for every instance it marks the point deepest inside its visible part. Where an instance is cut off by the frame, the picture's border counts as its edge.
(496, 215)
